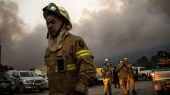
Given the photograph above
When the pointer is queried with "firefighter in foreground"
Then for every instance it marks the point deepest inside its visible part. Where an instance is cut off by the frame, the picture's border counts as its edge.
(107, 77)
(122, 69)
(131, 80)
(69, 61)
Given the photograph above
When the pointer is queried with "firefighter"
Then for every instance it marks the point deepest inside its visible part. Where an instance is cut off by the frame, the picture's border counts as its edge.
(116, 78)
(122, 69)
(107, 77)
(131, 80)
(68, 59)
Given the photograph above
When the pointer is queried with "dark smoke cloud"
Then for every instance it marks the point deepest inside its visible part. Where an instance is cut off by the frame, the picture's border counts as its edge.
(29, 52)
(163, 5)
(22, 47)
(141, 29)
(10, 23)
(10, 28)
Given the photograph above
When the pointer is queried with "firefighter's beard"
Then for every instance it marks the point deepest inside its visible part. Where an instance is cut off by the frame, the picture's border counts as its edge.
(54, 32)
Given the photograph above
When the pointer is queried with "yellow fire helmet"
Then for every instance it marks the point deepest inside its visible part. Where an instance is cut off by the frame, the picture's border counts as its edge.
(52, 9)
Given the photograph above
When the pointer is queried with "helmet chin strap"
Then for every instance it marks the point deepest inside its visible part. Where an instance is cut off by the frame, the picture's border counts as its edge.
(59, 30)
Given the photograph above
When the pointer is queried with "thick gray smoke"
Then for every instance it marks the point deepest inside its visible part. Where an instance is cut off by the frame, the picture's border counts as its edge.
(141, 28)
(10, 28)
(10, 23)
(163, 5)
(22, 47)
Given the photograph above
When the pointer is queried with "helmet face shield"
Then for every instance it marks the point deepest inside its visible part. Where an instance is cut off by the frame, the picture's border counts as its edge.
(125, 59)
(51, 8)
(106, 60)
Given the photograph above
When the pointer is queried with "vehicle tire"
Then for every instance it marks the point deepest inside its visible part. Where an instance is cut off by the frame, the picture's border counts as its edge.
(136, 78)
(92, 83)
(150, 77)
(11, 93)
(144, 77)
(41, 90)
(160, 92)
(21, 89)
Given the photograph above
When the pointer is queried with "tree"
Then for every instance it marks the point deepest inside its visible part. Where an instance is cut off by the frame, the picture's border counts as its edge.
(144, 62)
(154, 61)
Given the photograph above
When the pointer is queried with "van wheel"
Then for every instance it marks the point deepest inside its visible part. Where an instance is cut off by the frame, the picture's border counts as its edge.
(160, 92)
(144, 77)
(11, 93)
(41, 90)
(21, 89)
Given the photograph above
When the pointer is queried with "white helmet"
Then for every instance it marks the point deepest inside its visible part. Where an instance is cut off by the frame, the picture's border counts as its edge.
(125, 59)
(106, 60)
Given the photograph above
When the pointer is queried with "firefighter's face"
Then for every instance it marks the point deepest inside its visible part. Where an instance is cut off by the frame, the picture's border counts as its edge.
(108, 64)
(53, 24)
(121, 61)
(126, 62)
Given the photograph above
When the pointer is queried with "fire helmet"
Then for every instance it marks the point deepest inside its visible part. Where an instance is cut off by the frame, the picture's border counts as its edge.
(52, 9)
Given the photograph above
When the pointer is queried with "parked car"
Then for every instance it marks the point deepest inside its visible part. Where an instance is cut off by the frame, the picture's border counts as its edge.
(45, 77)
(142, 73)
(27, 80)
(99, 79)
(161, 81)
(7, 85)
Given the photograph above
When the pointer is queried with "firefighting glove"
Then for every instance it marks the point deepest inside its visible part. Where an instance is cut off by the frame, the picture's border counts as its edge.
(77, 93)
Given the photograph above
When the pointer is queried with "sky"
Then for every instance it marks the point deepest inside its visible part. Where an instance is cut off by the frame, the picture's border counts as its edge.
(112, 29)
(69, 5)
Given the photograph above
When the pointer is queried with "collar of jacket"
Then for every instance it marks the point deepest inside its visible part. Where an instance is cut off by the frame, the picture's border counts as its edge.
(55, 44)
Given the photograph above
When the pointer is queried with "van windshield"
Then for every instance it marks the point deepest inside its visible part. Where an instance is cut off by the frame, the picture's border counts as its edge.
(28, 74)
(142, 69)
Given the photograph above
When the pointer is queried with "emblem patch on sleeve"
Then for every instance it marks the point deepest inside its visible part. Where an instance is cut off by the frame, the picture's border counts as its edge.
(81, 43)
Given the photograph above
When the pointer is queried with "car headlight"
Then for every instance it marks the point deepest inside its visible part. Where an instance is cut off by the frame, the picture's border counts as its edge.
(28, 81)
(12, 82)
(24, 81)
(43, 80)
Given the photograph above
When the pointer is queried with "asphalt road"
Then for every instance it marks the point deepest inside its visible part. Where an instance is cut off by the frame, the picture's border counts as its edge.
(142, 87)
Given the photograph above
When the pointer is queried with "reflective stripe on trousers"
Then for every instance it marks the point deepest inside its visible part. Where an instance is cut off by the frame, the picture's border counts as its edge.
(107, 85)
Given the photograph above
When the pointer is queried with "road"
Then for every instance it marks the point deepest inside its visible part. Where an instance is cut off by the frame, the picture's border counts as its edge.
(142, 87)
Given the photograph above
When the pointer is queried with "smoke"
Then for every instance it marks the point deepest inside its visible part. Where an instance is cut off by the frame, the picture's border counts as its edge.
(135, 29)
(29, 52)
(22, 46)
(10, 27)
(163, 5)
(10, 23)
(122, 28)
